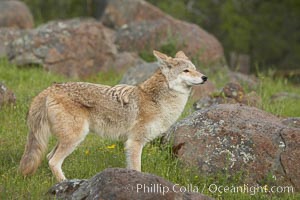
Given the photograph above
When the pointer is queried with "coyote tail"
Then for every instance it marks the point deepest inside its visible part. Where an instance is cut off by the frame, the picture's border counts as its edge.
(37, 141)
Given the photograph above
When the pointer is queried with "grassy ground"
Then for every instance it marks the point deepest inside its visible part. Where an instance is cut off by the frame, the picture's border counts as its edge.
(96, 154)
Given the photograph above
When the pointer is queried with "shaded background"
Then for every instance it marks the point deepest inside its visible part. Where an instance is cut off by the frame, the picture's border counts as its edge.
(265, 33)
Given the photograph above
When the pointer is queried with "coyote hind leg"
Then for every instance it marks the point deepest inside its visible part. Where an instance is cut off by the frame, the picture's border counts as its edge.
(50, 155)
(70, 126)
(65, 146)
(63, 150)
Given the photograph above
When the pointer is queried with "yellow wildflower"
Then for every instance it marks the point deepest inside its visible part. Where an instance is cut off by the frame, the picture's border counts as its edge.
(111, 146)
(266, 188)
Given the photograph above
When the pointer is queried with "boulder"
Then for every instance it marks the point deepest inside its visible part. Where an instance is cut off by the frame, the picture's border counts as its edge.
(6, 95)
(234, 138)
(116, 183)
(290, 156)
(230, 94)
(15, 14)
(234, 91)
(7, 35)
(292, 122)
(154, 34)
(74, 48)
(141, 26)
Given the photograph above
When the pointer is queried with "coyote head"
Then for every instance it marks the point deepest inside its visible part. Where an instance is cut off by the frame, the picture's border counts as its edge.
(180, 72)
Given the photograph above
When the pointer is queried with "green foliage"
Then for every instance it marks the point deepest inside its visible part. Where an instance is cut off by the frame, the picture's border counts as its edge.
(174, 8)
(147, 56)
(270, 86)
(169, 48)
(237, 29)
(268, 31)
(47, 10)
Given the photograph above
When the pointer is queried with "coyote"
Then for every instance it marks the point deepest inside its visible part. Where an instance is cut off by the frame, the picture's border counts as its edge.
(137, 114)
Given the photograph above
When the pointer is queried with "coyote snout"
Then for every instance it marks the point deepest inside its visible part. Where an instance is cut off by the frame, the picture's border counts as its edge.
(137, 113)
(193, 77)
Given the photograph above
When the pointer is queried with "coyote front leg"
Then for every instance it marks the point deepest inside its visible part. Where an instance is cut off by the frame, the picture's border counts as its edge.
(134, 154)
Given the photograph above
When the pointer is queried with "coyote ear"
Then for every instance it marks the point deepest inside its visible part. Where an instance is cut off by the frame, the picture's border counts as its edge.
(160, 56)
(163, 59)
(180, 54)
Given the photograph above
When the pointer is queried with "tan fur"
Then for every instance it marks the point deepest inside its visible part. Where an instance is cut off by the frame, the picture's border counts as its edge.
(137, 114)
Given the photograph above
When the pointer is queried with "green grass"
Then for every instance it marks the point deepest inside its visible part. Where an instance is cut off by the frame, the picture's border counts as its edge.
(96, 154)
(270, 86)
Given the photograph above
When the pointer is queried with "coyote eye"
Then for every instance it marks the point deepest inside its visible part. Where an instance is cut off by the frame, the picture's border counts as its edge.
(186, 71)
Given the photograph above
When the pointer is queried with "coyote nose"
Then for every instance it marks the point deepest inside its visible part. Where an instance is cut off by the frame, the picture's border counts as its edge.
(204, 78)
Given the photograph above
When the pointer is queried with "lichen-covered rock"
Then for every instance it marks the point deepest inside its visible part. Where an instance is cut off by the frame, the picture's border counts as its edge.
(234, 91)
(116, 183)
(237, 138)
(6, 95)
(15, 14)
(7, 35)
(290, 156)
(292, 122)
(74, 48)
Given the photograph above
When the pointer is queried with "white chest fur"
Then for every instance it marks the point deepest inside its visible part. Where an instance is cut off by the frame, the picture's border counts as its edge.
(170, 111)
